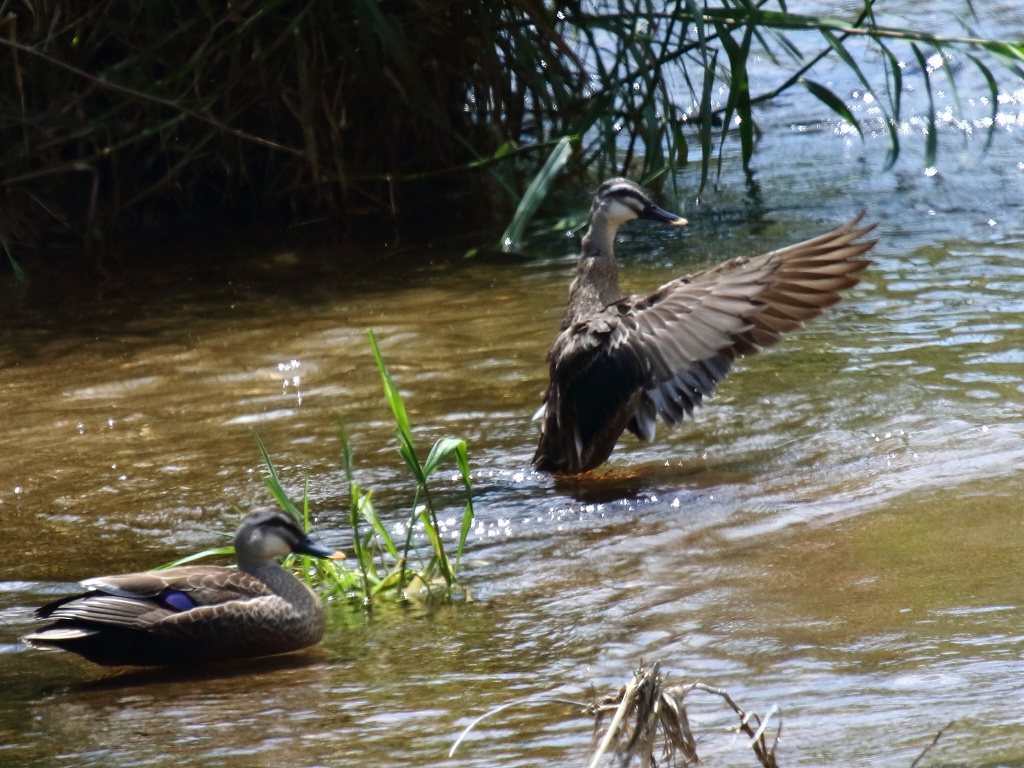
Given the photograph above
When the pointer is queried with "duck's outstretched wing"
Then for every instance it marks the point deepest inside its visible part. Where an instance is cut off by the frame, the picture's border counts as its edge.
(662, 354)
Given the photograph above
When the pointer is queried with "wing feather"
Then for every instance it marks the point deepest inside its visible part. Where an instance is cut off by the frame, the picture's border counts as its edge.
(662, 354)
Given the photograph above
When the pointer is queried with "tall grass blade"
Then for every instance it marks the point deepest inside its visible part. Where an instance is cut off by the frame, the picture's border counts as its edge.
(1008, 53)
(890, 123)
(19, 274)
(895, 89)
(512, 239)
(355, 497)
(305, 560)
(434, 536)
(794, 52)
(212, 552)
(706, 121)
(368, 512)
(394, 399)
(273, 482)
(993, 90)
(462, 458)
(442, 449)
(833, 102)
(950, 78)
(932, 139)
(847, 59)
(391, 394)
(739, 101)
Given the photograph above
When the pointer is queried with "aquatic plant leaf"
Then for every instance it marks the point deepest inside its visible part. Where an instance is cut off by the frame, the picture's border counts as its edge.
(795, 53)
(1008, 52)
(706, 121)
(739, 101)
(679, 144)
(212, 552)
(355, 496)
(368, 512)
(512, 239)
(273, 482)
(654, 134)
(950, 78)
(441, 450)
(833, 102)
(462, 458)
(392, 581)
(847, 58)
(890, 124)
(434, 536)
(932, 139)
(895, 89)
(505, 149)
(993, 90)
(397, 406)
(19, 273)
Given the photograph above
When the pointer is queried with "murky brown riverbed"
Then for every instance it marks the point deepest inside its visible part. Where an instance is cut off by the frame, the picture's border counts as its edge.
(838, 533)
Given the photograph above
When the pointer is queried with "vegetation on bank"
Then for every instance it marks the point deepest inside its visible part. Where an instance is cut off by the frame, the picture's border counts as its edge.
(384, 564)
(122, 111)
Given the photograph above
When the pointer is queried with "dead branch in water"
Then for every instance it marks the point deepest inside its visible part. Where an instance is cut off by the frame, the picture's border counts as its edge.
(649, 723)
(934, 741)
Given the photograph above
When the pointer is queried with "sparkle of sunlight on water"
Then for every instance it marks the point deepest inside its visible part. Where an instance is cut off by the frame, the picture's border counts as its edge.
(836, 533)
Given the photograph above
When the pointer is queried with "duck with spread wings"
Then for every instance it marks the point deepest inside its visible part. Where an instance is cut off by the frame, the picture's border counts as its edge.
(621, 363)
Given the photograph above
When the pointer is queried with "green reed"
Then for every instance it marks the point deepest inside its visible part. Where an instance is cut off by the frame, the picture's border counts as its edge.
(381, 565)
(123, 111)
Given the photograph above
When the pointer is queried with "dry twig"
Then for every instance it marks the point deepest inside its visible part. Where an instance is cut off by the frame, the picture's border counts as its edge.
(647, 715)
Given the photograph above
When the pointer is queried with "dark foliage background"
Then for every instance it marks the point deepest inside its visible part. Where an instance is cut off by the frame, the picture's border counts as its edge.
(126, 112)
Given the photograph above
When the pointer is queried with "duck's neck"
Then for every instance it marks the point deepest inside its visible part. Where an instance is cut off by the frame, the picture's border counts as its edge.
(596, 284)
(282, 583)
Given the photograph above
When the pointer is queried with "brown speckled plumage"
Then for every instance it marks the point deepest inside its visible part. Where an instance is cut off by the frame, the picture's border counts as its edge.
(620, 363)
(195, 613)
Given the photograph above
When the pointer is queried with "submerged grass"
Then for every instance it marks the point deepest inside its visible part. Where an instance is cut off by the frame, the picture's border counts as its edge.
(384, 566)
(124, 111)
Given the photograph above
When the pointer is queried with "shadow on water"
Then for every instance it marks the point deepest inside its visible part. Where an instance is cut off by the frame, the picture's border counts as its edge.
(642, 479)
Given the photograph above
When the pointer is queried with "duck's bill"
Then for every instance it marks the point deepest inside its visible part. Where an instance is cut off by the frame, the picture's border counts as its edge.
(651, 212)
(318, 550)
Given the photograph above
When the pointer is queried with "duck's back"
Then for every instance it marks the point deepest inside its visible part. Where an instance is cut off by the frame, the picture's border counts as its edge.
(181, 615)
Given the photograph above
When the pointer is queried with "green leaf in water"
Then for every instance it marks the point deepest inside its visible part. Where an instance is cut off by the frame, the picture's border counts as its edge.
(932, 139)
(273, 482)
(993, 90)
(512, 239)
(442, 449)
(213, 552)
(833, 102)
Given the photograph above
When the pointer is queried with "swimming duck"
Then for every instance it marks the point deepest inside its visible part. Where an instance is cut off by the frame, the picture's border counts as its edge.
(196, 613)
(620, 363)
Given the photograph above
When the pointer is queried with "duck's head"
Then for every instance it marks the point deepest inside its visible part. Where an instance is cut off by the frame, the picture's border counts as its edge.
(269, 533)
(620, 200)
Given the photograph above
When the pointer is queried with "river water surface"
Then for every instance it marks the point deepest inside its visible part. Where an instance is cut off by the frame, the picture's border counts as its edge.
(838, 533)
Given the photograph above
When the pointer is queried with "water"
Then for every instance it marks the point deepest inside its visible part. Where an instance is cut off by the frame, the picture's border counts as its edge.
(838, 533)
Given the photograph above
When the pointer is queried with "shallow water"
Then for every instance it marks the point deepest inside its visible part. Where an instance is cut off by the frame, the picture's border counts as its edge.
(837, 533)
